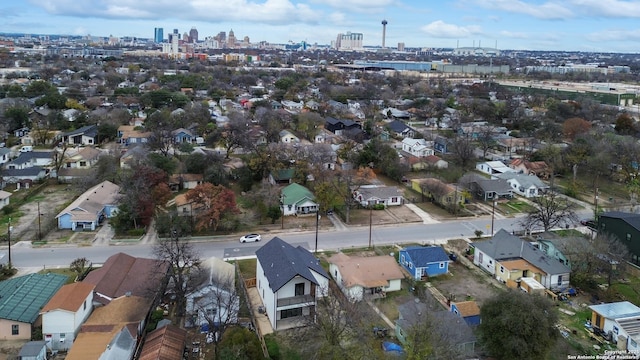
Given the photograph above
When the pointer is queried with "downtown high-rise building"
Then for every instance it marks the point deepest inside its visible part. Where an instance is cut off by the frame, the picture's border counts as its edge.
(349, 41)
(193, 35)
(158, 35)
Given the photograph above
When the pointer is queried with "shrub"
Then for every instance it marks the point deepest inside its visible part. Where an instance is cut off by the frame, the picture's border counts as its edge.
(136, 232)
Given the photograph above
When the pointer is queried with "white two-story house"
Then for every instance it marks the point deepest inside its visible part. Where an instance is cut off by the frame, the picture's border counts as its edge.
(417, 147)
(289, 281)
(65, 313)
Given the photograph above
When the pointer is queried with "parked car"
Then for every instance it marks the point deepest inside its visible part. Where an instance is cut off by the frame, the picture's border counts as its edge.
(589, 223)
(250, 238)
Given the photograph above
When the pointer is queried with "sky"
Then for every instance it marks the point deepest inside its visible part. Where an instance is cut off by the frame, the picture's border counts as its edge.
(553, 25)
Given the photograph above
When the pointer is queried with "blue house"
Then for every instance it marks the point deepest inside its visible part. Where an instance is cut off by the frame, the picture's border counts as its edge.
(468, 310)
(183, 136)
(90, 208)
(423, 261)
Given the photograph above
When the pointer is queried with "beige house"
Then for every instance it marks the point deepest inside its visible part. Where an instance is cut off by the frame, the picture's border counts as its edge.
(364, 277)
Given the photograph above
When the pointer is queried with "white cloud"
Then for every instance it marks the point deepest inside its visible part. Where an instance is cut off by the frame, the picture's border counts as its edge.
(549, 10)
(608, 8)
(277, 12)
(362, 6)
(440, 29)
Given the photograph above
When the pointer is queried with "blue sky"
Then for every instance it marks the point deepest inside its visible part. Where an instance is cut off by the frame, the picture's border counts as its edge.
(576, 25)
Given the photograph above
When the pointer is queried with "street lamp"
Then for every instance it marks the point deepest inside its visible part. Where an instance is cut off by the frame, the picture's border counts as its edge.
(39, 223)
(370, 222)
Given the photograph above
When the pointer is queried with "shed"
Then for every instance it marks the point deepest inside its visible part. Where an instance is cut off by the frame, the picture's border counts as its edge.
(33, 350)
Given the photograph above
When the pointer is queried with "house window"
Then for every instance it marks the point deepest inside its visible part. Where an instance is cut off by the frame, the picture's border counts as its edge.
(299, 289)
(615, 330)
(502, 269)
(441, 265)
(84, 305)
(410, 265)
(335, 273)
(290, 313)
(62, 336)
(628, 237)
(633, 343)
(83, 163)
(394, 199)
(559, 280)
(402, 259)
(15, 329)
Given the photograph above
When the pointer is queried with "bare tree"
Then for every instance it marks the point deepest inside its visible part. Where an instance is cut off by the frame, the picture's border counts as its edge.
(184, 268)
(462, 148)
(550, 210)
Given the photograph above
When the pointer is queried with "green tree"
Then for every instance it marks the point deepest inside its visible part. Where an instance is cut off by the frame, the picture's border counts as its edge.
(523, 317)
(274, 213)
(550, 210)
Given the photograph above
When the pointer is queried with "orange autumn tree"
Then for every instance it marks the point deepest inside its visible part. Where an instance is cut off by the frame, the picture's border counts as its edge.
(213, 202)
(574, 127)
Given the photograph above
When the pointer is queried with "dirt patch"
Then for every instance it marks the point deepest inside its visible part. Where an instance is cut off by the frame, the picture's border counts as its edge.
(462, 284)
(11, 348)
(28, 227)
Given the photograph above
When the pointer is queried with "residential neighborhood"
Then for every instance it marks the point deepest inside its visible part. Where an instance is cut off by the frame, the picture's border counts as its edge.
(225, 170)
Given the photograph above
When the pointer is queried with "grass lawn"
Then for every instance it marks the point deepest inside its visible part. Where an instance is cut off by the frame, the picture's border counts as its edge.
(247, 268)
(71, 276)
(628, 291)
(515, 206)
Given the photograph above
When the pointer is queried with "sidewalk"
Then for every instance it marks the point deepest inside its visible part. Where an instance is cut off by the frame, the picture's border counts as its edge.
(426, 218)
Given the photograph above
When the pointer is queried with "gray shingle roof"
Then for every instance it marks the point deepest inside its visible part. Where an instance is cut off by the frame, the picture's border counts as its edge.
(21, 298)
(504, 246)
(281, 262)
(525, 180)
(630, 218)
(28, 156)
(425, 255)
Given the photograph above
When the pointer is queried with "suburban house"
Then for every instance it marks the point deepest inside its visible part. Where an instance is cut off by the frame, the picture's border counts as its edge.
(24, 177)
(537, 168)
(490, 189)
(555, 246)
(31, 159)
(287, 137)
(435, 162)
(129, 135)
(215, 300)
(528, 186)
(365, 277)
(182, 135)
(448, 326)
(512, 145)
(91, 208)
(165, 343)
(85, 135)
(281, 177)
(123, 275)
(4, 155)
(399, 128)
(438, 191)
(417, 147)
(509, 258)
(296, 199)
(133, 156)
(33, 350)
(81, 158)
(185, 181)
(5, 198)
(468, 310)
(493, 167)
(113, 331)
(424, 261)
(289, 281)
(369, 195)
(342, 126)
(625, 227)
(441, 144)
(63, 315)
(621, 320)
(21, 299)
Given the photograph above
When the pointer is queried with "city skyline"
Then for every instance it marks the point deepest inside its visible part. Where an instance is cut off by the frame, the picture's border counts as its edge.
(572, 25)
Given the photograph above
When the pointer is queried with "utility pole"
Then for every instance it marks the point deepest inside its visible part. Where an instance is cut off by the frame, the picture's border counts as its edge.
(317, 223)
(493, 214)
(370, 223)
(9, 240)
(39, 226)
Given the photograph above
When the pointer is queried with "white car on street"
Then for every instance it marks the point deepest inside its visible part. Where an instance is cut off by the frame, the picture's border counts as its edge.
(250, 238)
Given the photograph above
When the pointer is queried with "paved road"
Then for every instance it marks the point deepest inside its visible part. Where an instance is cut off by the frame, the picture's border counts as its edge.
(23, 256)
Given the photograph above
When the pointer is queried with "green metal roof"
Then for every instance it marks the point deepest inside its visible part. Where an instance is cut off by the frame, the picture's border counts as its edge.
(293, 193)
(21, 298)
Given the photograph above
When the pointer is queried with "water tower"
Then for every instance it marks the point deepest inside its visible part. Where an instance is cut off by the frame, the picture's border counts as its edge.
(384, 31)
